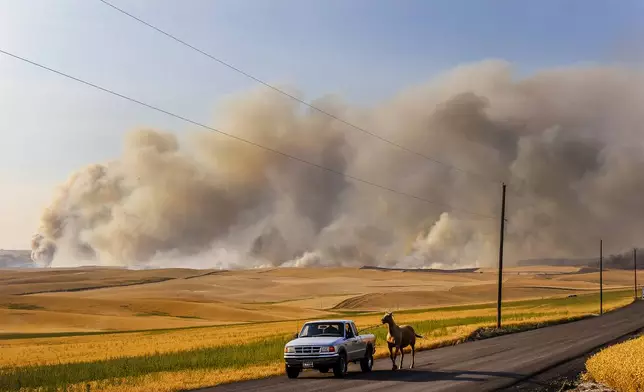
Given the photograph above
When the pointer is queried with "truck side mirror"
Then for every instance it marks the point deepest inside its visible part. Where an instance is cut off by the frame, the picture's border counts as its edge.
(296, 335)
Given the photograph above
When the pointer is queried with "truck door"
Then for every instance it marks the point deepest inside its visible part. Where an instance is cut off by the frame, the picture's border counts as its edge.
(351, 342)
(361, 347)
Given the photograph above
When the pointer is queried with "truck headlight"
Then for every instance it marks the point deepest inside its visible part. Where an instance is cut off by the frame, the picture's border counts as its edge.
(329, 349)
(289, 350)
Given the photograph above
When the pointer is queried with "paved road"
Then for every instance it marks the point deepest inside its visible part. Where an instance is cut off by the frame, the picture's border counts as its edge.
(484, 365)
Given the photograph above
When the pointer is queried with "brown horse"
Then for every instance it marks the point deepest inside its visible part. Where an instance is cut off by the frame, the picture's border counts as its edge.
(400, 337)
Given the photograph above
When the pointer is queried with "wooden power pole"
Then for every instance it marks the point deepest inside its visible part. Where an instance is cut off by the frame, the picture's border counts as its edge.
(635, 271)
(498, 304)
(601, 277)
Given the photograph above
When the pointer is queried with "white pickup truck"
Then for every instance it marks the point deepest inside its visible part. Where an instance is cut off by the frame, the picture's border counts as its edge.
(329, 344)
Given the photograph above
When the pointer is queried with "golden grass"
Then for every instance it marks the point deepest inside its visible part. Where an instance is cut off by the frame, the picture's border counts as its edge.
(76, 349)
(174, 381)
(199, 378)
(73, 349)
(620, 367)
(43, 351)
(193, 379)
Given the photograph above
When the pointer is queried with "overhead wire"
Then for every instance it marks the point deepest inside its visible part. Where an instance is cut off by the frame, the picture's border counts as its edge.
(240, 139)
(301, 101)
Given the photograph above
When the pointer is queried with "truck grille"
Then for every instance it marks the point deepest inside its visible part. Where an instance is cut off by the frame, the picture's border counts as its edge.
(307, 349)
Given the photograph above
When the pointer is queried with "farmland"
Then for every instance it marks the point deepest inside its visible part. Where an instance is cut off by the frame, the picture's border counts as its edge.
(620, 367)
(171, 329)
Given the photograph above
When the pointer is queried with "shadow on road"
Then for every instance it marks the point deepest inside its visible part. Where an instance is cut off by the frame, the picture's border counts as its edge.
(420, 375)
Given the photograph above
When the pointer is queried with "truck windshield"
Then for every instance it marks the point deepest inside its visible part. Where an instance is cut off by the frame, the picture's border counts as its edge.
(322, 329)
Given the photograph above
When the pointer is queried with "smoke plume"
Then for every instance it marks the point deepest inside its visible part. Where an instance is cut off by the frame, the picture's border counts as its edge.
(568, 141)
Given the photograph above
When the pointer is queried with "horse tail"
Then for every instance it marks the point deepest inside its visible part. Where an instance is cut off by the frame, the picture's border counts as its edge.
(418, 336)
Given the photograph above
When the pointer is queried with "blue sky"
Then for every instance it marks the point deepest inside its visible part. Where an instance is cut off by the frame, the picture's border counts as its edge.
(364, 50)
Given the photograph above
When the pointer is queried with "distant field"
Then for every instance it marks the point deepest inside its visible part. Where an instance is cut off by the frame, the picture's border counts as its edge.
(99, 299)
(171, 329)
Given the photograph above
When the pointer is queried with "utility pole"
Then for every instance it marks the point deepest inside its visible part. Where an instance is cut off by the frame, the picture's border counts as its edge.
(601, 277)
(635, 271)
(498, 305)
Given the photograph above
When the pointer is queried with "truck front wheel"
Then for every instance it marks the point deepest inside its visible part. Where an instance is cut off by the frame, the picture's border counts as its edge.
(366, 363)
(292, 372)
(340, 368)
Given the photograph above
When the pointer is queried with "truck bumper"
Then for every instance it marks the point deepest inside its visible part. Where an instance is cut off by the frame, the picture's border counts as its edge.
(311, 362)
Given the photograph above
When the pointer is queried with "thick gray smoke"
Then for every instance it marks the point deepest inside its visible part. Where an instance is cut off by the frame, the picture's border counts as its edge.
(569, 141)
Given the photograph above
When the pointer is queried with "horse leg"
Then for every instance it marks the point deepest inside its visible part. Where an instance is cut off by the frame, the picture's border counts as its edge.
(413, 355)
(402, 356)
(391, 356)
(394, 367)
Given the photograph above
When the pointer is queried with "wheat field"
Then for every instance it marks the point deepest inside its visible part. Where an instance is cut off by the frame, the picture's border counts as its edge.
(620, 367)
(169, 330)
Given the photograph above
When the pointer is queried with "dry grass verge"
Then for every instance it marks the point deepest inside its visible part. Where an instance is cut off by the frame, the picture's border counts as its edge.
(620, 367)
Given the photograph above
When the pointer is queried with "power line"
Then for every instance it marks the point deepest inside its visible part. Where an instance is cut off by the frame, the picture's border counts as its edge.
(248, 75)
(185, 119)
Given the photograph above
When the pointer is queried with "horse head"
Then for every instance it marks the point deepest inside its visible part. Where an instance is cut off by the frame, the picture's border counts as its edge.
(387, 318)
